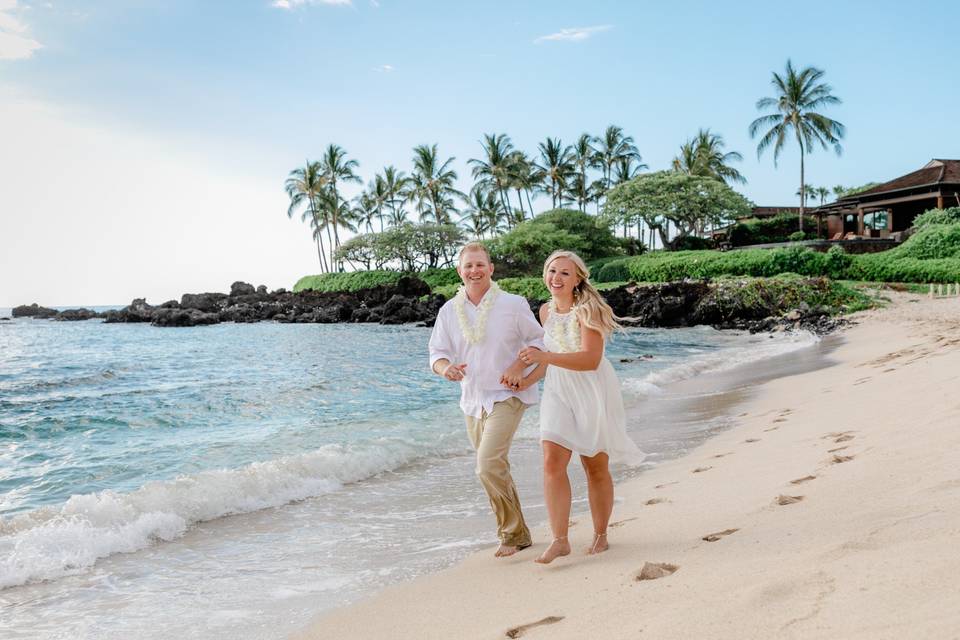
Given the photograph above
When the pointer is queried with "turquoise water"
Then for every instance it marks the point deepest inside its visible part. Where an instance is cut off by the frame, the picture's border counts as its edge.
(237, 478)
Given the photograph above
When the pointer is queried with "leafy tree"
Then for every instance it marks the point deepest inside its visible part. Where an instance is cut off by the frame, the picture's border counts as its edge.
(688, 202)
(409, 247)
(598, 239)
(524, 248)
(704, 156)
(798, 97)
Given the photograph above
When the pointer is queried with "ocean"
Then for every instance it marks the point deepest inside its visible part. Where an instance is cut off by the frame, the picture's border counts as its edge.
(237, 479)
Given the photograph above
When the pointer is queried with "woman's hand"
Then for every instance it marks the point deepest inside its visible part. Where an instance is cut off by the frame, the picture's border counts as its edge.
(532, 355)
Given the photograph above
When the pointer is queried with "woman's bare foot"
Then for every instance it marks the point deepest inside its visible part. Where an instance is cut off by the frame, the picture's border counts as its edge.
(559, 547)
(599, 544)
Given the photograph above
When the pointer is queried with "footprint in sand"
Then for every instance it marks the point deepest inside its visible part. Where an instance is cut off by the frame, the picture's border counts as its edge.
(803, 479)
(666, 484)
(780, 420)
(651, 501)
(840, 459)
(770, 429)
(838, 435)
(752, 440)
(838, 449)
(845, 438)
(620, 523)
(722, 455)
(517, 632)
(655, 570)
(862, 381)
(785, 500)
(701, 469)
(713, 537)
(571, 523)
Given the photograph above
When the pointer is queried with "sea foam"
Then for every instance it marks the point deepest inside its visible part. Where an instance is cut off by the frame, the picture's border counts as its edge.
(51, 542)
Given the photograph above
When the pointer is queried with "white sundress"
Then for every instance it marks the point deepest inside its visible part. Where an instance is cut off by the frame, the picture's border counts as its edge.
(583, 410)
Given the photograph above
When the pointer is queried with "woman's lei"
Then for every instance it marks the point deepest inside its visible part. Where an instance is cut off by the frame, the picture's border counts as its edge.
(475, 333)
(564, 330)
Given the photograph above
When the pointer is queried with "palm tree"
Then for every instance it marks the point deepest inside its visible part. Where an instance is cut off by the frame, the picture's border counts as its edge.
(304, 186)
(823, 193)
(432, 184)
(613, 147)
(584, 157)
(525, 176)
(556, 163)
(336, 168)
(366, 209)
(483, 211)
(395, 185)
(495, 170)
(798, 96)
(704, 156)
(808, 192)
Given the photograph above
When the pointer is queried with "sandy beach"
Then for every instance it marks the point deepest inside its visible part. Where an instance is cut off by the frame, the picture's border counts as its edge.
(830, 510)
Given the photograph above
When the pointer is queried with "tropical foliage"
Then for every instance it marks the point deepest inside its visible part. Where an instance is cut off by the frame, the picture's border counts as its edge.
(799, 95)
(691, 203)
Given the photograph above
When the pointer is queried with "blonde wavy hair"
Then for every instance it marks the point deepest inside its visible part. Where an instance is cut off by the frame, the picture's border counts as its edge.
(591, 309)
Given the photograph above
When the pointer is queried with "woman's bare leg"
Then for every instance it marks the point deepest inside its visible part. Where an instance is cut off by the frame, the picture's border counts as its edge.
(556, 493)
(600, 491)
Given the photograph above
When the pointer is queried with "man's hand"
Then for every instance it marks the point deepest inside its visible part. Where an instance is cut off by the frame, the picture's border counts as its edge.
(513, 376)
(455, 372)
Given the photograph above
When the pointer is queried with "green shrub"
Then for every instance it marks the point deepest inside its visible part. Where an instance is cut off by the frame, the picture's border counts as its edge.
(598, 240)
(522, 250)
(446, 290)
(837, 262)
(798, 236)
(937, 216)
(529, 288)
(611, 271)
(439, 277)
(765, 230)
(351, 281)
(690, 243)
(931, 242)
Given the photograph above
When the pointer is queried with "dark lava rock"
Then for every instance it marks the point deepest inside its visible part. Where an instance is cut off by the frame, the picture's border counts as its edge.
(207, 302)
(262, 289)
(77, 314)
(170, 304)
(33, 311)
(137, 311)
(241, 289)
(183, 318)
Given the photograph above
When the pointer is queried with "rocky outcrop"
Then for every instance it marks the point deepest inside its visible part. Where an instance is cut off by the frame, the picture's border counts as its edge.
(73, 315)
(727, 304)
(33, 311)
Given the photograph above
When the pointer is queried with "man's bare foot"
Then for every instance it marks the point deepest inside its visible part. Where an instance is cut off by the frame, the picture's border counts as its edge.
(559, 547)
(505, 550)
(599, 544)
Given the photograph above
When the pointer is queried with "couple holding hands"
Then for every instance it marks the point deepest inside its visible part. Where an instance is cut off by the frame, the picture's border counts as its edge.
(489, 342)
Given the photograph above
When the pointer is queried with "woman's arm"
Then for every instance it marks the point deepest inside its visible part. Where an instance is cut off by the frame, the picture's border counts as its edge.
(587, 359)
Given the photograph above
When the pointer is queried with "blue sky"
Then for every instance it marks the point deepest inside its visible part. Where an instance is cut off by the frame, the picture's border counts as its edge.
(168, 99)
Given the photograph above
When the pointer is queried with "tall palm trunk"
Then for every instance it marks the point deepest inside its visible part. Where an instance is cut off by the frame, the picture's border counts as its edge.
(523, 211)
(803, 192)
(319, 236)
(529, 203)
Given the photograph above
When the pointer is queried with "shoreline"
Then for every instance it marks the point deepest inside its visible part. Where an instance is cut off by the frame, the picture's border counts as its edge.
(859, 546)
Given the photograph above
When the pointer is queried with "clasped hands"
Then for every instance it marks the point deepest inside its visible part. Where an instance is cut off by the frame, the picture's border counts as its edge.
(513, 377)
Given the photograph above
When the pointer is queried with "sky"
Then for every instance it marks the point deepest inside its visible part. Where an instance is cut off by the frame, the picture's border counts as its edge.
(144, 143)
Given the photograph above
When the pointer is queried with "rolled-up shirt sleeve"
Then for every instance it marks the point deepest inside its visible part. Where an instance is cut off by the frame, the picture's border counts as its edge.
(531, 333)
(441, 346)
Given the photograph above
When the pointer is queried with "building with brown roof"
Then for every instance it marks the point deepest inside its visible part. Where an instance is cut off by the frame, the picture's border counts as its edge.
(889, 208)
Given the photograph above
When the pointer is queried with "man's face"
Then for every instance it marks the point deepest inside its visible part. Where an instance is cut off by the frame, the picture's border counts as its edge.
(475, 269)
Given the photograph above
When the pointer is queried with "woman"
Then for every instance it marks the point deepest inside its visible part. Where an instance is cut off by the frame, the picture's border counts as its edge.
(581, 410)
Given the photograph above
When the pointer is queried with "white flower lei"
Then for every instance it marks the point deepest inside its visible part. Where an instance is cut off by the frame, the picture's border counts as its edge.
(474, 334)
(564, 330)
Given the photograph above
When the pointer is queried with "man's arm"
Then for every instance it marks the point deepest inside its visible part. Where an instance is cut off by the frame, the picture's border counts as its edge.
(531, 335)
(442, 351)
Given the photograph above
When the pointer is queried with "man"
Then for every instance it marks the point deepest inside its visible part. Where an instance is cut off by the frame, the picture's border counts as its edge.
(475, 342)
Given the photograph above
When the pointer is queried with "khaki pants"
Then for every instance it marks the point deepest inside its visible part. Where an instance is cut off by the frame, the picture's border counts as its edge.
(491, 436)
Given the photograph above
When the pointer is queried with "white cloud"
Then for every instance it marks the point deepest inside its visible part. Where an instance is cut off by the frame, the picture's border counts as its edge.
(15, 41)
(574, 35)
(293, 4)
(97, 237)
(385, 68)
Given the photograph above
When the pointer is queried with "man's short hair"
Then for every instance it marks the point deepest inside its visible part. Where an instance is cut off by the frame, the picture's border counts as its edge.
(472, 246)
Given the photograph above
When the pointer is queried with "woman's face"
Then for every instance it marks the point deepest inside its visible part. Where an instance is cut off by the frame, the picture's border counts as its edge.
(561, 278)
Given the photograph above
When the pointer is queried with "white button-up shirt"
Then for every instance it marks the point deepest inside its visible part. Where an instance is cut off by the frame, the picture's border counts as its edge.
(510, 327)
